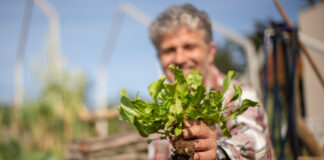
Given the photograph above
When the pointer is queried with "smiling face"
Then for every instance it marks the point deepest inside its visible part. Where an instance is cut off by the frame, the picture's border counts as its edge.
(186, 49)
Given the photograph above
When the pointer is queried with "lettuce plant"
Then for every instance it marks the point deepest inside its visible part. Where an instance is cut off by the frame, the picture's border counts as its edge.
(174, 103)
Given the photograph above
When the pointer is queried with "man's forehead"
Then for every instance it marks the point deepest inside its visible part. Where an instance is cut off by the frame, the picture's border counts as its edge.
(181, 33)
(180, 30)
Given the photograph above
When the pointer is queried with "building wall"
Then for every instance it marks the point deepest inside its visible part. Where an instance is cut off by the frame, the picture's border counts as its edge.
(311, 22)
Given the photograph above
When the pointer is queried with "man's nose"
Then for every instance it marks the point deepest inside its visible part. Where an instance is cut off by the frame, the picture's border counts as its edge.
(180, 57)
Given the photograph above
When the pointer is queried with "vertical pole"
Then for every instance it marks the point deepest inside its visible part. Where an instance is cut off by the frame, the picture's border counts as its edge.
(101, 74)
(19, 62)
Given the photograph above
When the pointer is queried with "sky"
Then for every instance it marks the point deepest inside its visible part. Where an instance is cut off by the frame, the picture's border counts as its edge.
(84, 26)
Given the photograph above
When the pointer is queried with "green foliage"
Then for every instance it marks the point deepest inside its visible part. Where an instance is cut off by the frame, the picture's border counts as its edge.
(39, 129)
(185, 99)
(230, 57)
(10, 149)
(256, 36)
(5, 112)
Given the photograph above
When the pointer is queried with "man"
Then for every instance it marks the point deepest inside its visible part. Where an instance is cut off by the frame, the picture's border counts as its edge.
(182, 36)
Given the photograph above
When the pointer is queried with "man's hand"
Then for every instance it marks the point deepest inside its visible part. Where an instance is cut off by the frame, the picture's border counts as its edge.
(204, 138)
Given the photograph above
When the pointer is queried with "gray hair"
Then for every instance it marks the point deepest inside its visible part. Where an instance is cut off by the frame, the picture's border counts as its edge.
(180, 16)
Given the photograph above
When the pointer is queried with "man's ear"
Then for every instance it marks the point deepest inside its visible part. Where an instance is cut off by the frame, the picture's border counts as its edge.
(212, 52)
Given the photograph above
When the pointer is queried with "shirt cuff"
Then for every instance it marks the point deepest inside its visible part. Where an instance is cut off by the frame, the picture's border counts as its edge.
(221, 154)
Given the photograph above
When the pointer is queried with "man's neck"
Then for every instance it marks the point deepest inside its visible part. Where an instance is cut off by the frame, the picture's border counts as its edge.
(214, 78)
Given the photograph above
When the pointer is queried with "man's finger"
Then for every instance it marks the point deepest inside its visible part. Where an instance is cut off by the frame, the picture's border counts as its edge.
(204, 144)
(196, 132)
(207, 155)
(189, 123)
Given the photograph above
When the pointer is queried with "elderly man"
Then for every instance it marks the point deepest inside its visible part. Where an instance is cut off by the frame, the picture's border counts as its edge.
(182, 36)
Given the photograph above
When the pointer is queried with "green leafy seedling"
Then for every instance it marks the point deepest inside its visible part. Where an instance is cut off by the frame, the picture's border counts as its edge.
(174, 103)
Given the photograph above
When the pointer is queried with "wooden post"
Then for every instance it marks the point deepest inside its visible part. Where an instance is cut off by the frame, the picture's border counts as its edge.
(301, 44)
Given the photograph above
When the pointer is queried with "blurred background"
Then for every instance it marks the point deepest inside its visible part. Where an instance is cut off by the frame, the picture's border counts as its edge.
(63, 64)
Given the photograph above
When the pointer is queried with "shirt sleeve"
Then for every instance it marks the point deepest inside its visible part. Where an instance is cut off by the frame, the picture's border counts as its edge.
(250, 134)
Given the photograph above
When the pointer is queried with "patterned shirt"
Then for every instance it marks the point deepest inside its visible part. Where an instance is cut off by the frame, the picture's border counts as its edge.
(250, 134)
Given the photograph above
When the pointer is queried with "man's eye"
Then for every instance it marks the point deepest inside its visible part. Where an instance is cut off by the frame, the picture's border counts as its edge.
(168, 51)
(189, 47)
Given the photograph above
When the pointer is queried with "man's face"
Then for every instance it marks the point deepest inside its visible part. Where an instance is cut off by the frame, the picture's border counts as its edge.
(186, 49)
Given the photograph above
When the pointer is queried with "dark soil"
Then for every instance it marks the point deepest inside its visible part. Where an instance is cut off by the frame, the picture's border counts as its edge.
(182, 149)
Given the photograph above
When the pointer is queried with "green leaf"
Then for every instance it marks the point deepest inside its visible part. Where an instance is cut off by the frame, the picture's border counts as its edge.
(180, 82)
(148, 109)
(178, 130)
(198, 97)
(232, 116)
(156, 87)
(176, 108)
(137, 96)
(194, 79)
(126, 116)
(246, 104)
(148, 141)
(170, 89)
(127, 105)
(141, 129)
(237, 93)
(225, 130)
(126, 109)
(194, 114)
(123, 92)
(171, 120)
(227, 81)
